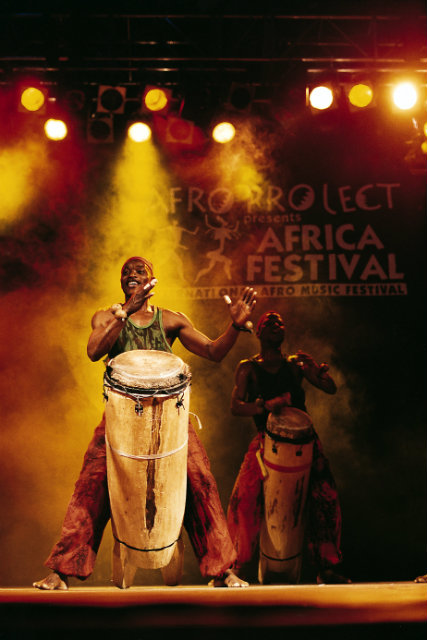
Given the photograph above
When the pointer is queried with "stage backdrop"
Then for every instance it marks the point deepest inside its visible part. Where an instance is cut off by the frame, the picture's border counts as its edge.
(324, 217)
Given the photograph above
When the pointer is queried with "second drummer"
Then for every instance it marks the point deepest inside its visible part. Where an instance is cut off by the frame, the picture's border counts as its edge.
(137, 324)
(263, 384)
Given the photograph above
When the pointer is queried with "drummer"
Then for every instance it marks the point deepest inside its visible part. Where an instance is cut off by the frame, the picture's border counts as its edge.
(138, 324)
(263, 384)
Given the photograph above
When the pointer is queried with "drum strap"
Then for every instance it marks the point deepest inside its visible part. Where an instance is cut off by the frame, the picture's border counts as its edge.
(154, 456)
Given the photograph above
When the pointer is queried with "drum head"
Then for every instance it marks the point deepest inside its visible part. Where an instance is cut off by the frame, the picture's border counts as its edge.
(290, 424)
(143, 369)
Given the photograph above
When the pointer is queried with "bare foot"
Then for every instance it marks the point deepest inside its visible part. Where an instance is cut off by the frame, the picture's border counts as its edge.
(228, 579)
(421, 578)
(52, 581)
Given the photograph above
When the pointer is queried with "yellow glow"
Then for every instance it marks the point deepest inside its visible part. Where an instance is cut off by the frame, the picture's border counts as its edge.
(360, 95)
(155, 99)
(425, 129)
(17, 182)
(32, 99)
(405, 96)
(139, 132)
(223, 132)
(424, 146)
(55, 129)
(321, 98)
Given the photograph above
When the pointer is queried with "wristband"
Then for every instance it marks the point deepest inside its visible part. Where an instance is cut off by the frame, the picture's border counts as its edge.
(240, 328)
(119, 312)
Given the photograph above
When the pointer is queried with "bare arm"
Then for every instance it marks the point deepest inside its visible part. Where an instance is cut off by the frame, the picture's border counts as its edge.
(216, 350)
(106, 327)
(239, 405)
(316, 374)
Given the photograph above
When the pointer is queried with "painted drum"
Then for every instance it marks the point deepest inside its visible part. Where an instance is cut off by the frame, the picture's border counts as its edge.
(287, 458)
(147, 406)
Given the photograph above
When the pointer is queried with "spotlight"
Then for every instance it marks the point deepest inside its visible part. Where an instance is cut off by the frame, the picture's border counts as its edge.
(33, 99)
(75, 100)
(223, 132)
(405, 96)
(321, 97)
(139, 132)
(360, 95)
(156, 99)
(180, 131)
(240, 97)
(111, 99)
(100, 129)
(55, 129)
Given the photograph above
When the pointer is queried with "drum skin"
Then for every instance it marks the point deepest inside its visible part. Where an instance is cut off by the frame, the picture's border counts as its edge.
(147, 469)
(287, 457)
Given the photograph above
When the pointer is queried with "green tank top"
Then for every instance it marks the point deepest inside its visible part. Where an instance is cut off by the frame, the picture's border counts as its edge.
(149, 337)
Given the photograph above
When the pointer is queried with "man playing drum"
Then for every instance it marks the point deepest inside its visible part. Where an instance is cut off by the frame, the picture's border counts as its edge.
(139, 325)
(263, 384)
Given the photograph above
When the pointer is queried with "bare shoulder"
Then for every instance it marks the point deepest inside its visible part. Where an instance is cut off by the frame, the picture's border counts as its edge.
(245, 367)
(175, 320)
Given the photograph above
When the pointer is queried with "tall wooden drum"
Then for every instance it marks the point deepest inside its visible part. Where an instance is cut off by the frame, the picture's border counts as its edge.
(287, 457)
(147, 406)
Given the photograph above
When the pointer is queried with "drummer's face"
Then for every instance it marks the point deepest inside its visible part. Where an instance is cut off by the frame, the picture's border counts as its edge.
(272, 328)
(134, 273)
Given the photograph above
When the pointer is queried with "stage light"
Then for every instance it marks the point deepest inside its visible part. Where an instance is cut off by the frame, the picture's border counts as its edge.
(111, 99)
(360, 95)
(156, 99)
(223, 132)
(99, 129)
(75, 100)
(139, 132)
(321, 98)
(33, 99)
(405, 96)
(55, 129)
(240, 97)
(179, 131)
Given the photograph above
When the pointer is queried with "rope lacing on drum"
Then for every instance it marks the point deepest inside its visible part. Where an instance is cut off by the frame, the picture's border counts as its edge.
(197, 418)
(180, 402)
(154, 456)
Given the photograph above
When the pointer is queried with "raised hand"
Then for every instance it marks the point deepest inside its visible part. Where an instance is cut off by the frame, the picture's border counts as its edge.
(141, 294)
(241, 310)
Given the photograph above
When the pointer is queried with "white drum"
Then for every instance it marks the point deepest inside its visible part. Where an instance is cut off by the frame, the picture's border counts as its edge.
(287, 457)
(147, 406)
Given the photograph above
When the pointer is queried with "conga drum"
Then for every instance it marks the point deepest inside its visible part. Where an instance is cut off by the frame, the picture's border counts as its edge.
(287, 458)
(146, 412)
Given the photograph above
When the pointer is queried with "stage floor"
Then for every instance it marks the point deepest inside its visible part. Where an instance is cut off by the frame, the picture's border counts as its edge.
(256, 609)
